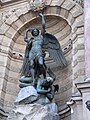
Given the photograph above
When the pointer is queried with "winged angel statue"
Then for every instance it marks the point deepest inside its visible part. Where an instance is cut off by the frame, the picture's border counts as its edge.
(34, 62)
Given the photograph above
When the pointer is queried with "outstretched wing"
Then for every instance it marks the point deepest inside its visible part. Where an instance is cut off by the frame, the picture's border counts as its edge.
(52, 46)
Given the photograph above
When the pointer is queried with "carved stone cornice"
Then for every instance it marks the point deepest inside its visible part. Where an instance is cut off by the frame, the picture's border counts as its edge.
(83, 86)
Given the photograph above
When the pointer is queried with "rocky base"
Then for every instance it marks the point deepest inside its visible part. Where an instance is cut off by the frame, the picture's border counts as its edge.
(32, 112)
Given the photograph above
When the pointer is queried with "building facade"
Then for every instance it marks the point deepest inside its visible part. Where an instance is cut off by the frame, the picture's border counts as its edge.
(65, 20)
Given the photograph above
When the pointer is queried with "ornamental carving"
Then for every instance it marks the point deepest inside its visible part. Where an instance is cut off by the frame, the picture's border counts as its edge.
(5, 15)
(37, 5)
(81, 2)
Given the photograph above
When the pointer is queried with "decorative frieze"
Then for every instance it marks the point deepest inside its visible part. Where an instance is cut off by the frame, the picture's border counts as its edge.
(37, 5)
(5, 15)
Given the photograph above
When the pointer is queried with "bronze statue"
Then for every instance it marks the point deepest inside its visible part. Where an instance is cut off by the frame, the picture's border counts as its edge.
(34, 62)
(34, 55)
(37, 80)
(88, 104)
(46, 86)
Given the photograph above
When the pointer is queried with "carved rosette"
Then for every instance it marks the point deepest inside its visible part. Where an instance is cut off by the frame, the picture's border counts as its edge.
(37, 5)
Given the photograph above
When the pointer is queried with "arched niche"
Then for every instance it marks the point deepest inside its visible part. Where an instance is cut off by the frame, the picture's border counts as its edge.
(62, 21)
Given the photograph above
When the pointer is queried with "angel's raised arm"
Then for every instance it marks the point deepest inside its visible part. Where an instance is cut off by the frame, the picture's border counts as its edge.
(43, 24)
(26, 34)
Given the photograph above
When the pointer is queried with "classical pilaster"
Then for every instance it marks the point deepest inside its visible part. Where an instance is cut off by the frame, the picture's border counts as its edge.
(76, 107)
(84, 88)
(87, 37)
(78, 103)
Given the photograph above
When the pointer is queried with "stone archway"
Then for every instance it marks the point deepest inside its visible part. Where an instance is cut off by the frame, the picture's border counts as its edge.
(20, 20)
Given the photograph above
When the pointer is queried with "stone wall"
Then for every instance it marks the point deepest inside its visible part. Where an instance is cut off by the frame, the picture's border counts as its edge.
(64, 19)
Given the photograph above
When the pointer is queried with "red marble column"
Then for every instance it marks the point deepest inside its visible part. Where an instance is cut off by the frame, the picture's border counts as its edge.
(87, 36)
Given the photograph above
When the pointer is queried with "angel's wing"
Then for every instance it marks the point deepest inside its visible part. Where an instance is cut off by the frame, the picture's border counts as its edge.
(52, 46)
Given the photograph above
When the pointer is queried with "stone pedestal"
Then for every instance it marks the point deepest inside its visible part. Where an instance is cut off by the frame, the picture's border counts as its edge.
(32, 106)
(32, 112)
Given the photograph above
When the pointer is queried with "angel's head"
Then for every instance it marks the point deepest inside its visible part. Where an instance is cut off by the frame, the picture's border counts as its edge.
(35, 32)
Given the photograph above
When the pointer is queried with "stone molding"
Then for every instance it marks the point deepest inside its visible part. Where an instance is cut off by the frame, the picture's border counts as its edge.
(3, 115)
(65, 112)
(9, 2)
(83, 86)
